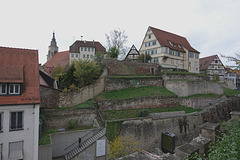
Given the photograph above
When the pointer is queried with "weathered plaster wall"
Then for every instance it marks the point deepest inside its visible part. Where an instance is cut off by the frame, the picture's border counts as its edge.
(148, 131)
(59, 118)
(122, 83)
(144, 102)
(187, 88)
(126, 67)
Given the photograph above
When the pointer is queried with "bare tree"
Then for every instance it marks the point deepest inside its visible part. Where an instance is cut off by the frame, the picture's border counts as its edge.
(117, 38)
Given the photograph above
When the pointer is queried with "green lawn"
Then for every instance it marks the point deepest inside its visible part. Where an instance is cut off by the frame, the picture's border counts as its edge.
(230, 92)
(135, 93)
(135, 76)
(174, 72)
(133, 113)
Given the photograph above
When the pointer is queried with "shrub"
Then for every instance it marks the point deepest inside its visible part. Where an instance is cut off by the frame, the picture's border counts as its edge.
(143, 113)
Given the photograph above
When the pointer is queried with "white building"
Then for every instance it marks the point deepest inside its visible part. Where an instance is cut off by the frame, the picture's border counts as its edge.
(19, 104)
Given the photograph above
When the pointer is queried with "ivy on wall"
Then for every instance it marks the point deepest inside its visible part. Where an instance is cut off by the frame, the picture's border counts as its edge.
(113, 129)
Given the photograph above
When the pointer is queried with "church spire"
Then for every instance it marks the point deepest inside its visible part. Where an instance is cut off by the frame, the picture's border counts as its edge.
(53, 48)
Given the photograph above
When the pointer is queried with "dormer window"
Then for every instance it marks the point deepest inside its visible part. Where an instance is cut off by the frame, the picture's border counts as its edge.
(179, 46)
(3, 89)
(170, 43)
(14, 88)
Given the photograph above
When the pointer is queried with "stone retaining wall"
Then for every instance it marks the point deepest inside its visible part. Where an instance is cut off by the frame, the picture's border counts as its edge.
(187, 76)
(56, 118)
(187, 88)
(134, 103)
(126, 67)
(49, 97)
(147, 131)
(122, 83)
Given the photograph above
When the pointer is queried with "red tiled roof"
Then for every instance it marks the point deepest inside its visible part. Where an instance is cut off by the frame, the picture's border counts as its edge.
(60, 58)
(205, 62)
(74, 48)
(11, 74)
(164, 38)
(27, 61)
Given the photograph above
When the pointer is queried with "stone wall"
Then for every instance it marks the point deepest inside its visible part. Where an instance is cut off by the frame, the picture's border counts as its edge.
(144, 102)
(179, 76)
(56, 118)
(88, 92)
(126, 67)
(122, 83)
(199, 102)
(229, 83)
(148, 131)
(187, 88)
(49, 97)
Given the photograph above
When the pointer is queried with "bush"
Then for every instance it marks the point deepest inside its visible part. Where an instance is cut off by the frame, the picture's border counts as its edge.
(143, 113)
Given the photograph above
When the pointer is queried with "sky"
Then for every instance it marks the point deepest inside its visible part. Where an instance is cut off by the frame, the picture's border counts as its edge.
(211, 26)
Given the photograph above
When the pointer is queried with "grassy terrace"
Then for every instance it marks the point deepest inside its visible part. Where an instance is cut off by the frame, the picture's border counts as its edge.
(133, 113)
(87, 104)
(147, 91)
(230, 92)
(134, 76)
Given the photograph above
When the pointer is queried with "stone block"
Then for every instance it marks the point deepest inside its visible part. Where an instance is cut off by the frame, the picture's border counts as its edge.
(210, 130)
(185, 150)
(235, 115)
(202, 143)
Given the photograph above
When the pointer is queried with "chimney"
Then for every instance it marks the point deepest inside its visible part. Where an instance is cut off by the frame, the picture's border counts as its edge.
(93, 42)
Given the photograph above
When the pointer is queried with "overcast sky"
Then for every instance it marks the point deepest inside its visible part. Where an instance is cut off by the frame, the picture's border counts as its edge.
(211, 26)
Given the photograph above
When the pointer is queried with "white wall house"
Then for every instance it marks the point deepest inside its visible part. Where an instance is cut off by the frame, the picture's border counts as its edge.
(19, 104)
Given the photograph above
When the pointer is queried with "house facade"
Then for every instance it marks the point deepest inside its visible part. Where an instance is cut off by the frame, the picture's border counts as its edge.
(84, 50)
(213, 67)
(170, 50)
(19, 104)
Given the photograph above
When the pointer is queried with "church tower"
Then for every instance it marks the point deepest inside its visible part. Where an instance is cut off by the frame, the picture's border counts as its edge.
(53, 48)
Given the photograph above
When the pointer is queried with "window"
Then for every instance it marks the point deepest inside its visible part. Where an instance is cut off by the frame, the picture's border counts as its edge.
(85, 49)
(152, 51)
(91, 56)
(155, 60)
(195, 63)
(177, 53)
(3, 89)
(92, 49)
(176, 61)
(196, 56)
(14, 89)
(149, 36)
(81, 48)
(148, 51)
(190, 54)
(166, 50)
(145, 52)
(83, 55)
(87, 55)
(172, 61)
(171, 52)
(162, 50)
(171, 43)
(16, 121)
(88, 49)
(16, 150)
(77, 55)
(154, 43)
(1, 121)
(155, 51)
(179, 46)
(72, 55)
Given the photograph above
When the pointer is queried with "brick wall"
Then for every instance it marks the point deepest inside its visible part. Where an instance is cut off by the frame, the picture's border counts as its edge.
(122, 83)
